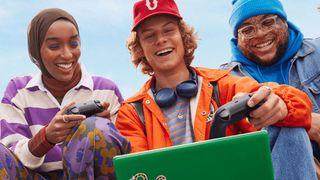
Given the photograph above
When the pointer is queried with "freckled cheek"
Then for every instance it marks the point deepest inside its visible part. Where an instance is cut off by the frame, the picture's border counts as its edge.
(244, 46)
(147, 51)
(282, 37)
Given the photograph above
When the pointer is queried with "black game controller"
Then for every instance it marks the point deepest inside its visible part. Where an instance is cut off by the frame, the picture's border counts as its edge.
(229, 113)
(87, 108)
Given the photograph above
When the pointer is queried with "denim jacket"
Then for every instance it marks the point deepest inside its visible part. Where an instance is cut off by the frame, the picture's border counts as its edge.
(304, 72)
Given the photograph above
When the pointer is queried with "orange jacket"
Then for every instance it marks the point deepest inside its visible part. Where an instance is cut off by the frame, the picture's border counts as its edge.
(155, 133)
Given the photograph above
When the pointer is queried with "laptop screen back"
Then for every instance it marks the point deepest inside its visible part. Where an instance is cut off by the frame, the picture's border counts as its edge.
(240, 157)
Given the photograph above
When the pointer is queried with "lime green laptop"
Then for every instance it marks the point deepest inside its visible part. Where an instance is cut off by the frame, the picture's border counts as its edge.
(240, 157)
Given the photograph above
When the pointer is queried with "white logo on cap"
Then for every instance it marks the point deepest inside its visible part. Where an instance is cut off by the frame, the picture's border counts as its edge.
(155, 4)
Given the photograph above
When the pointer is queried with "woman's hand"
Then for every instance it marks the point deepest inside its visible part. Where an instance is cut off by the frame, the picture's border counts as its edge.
(61, 125)
(272, 110)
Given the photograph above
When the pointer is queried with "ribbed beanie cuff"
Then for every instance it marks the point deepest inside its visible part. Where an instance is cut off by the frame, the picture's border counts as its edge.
(244, 9)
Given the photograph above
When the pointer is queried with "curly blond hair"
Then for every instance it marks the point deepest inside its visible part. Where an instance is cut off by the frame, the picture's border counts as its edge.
(189, 38)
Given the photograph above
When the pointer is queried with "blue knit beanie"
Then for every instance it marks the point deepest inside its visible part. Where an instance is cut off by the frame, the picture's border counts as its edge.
(244, 9)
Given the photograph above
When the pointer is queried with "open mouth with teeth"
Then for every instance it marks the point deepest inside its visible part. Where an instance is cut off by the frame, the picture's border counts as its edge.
(164, 52)
(264, 45)
(64, 66)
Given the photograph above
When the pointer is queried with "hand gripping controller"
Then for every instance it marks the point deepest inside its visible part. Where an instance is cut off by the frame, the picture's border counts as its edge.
(87, 108)
(230, 113)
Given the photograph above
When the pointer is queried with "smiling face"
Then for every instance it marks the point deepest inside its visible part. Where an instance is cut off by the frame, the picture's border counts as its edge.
(60, 50)
(265, 47)
(161, 43)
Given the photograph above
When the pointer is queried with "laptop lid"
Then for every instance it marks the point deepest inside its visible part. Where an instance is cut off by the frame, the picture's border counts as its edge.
(240, 157)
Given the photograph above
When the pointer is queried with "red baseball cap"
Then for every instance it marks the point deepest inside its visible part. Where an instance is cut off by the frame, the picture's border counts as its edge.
(147, 8)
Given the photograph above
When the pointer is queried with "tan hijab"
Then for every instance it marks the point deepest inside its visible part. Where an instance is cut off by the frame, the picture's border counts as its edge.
(36, 33)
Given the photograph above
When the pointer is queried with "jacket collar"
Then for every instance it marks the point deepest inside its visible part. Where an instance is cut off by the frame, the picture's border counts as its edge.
(305, 49)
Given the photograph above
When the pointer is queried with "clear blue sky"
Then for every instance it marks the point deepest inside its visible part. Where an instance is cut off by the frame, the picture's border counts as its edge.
(105, 26)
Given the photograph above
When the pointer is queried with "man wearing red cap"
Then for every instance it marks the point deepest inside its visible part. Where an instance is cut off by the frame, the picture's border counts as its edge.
(177, 104)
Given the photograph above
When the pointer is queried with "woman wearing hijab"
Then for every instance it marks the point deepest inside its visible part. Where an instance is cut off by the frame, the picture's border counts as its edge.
(38, 138)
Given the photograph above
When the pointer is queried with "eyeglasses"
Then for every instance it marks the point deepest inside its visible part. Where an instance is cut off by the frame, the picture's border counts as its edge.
(266, 25)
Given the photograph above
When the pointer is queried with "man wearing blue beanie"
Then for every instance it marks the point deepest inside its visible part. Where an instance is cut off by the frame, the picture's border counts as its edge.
(269, 48)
